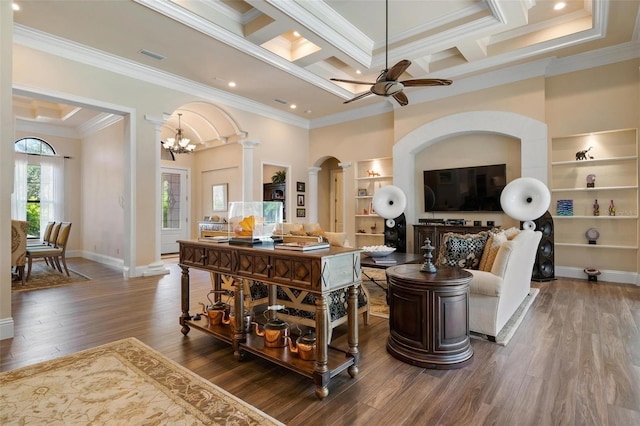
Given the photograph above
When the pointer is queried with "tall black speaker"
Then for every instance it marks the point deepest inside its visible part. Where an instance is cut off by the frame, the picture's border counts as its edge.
(544, 268)
(396, 235)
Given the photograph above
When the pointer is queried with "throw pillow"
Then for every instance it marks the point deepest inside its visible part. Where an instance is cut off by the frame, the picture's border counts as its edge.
(290, 228)
(337, 239)
(312, 227)
(464, 251)
(502, 258)
(512, 232)
(491, 250)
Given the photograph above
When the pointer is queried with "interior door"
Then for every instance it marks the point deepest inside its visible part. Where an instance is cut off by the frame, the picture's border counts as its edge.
(337, 201)
(175, 209)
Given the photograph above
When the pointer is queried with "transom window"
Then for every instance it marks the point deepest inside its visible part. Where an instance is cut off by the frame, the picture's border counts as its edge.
(34, 146)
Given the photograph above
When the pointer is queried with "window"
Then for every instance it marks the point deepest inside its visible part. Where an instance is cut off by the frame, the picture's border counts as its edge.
(31, 176)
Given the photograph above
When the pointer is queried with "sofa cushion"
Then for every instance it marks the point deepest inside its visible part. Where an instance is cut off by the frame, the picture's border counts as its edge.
(464, 251)
(512, 232)
(491, 250)
(338, 239)
(502, 258)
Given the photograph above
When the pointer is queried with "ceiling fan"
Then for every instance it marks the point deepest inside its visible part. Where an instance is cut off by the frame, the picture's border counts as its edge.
(387, 83)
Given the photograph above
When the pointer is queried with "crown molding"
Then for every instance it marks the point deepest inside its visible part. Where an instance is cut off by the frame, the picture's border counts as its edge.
(79, 53)
(97, 123)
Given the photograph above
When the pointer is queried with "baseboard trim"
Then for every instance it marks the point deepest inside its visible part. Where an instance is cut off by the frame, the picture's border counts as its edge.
(622, 277)
(6, 328)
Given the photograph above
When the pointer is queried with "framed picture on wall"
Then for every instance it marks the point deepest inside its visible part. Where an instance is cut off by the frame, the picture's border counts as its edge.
(300, 200)
(300, 212)
(300, 186)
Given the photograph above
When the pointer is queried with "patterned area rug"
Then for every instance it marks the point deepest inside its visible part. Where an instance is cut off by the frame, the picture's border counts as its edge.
(44, 276)
(377, 294)
(121, 383)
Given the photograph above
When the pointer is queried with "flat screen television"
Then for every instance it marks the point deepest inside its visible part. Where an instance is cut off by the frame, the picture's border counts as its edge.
(469, 189)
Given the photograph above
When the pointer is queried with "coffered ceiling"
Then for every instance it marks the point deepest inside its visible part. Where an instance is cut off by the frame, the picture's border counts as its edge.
(281, 53)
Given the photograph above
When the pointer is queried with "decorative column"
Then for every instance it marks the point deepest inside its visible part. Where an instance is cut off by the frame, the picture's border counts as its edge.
(344, 166)
(157, 266)
(313, 194)
(247, 168)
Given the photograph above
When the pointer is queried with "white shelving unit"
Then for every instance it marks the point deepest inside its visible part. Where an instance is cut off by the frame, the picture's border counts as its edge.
(615, 167)
(371, 175)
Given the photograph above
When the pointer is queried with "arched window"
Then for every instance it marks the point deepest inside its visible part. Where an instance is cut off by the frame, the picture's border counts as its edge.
(38, 184)
(34, 146)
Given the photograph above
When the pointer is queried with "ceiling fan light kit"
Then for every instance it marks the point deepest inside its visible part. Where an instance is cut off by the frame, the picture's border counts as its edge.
(387, 83)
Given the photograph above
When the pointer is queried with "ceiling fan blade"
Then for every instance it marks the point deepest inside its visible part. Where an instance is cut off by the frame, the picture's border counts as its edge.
(396, 71)
(358, 97)
(351, 81)
(401, 98)
(426, 82)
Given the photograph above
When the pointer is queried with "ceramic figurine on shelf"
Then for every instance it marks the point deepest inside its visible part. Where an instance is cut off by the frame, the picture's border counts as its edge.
(612, 209)
(596, 208)
(582, 155)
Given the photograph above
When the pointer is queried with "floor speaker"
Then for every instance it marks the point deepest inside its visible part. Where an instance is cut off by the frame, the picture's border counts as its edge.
(544, 268)
(396, 235)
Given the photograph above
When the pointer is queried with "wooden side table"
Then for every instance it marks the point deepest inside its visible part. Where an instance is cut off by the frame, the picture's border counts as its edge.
(429, 316)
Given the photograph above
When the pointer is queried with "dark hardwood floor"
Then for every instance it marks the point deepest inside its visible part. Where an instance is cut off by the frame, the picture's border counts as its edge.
(575, 359)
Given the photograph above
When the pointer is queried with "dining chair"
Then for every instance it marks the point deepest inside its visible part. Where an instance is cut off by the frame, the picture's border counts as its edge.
(19, 246)
(55, 254)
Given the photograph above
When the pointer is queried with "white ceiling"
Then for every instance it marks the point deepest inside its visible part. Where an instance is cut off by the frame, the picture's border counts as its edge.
(209, 43)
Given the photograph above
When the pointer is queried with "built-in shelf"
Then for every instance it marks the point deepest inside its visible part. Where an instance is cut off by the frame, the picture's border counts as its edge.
(594, 161)
(617, 173)
(366, 184)
(602, 188)
(597, 217)
(597, 246)
(375, 178)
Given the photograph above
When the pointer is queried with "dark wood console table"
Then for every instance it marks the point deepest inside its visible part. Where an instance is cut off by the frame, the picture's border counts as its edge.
(319, 272)
(429, 316)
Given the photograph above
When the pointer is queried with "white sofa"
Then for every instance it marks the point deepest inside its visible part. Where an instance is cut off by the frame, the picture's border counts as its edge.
(496, 295)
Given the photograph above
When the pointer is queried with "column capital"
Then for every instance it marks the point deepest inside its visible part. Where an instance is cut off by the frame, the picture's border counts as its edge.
(248, 143)
(314, 170)
(345, 165)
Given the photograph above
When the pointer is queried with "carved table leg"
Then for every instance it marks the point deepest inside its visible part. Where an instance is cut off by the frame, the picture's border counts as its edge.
(184, 281)
(352, 332)
(237, 325)
(321, 374)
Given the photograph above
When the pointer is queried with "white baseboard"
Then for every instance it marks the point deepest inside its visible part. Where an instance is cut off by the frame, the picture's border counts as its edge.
(155, 268)
(622, 277)
(6, 328)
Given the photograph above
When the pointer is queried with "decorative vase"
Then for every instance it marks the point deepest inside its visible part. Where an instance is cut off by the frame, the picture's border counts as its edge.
(596, 208)
(612, 209)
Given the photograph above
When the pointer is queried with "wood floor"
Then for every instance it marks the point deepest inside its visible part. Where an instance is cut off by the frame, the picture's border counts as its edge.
(575, 360)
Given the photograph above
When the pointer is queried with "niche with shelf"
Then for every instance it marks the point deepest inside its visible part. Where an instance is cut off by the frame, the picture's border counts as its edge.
(612, 157)
(371, 175)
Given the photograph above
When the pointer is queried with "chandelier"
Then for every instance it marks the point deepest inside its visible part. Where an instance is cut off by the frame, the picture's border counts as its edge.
(179, 144)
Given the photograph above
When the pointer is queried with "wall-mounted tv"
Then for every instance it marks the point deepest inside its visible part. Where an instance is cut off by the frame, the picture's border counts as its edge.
(470, 189)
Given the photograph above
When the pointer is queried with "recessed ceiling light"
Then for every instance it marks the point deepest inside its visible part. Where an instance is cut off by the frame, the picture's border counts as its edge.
(297, 34)
(15, 7)
(308, 111)
(559, 6)
(232, 84)
(358, 72)
(293, 106)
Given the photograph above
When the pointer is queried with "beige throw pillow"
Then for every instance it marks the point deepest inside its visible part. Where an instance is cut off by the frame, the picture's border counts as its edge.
(502, 258)
(491, 250)
(337, 239)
